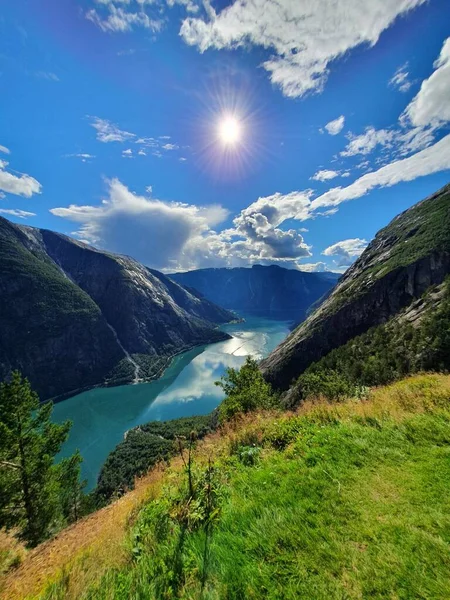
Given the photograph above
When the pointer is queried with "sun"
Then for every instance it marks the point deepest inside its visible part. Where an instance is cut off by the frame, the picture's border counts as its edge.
(229, 130)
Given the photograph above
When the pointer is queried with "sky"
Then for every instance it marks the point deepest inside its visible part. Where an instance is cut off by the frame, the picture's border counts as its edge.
(214, 133)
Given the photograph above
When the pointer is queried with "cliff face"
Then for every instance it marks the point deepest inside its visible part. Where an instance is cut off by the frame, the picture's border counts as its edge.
(265, 291)
(70, 314)
(402, 262)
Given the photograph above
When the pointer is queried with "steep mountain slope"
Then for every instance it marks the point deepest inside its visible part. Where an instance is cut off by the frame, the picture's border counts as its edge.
(407, 257)
(72, 317)
(264, 291)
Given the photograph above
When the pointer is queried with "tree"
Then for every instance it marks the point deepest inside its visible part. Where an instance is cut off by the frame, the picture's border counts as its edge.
(245, 390)
(31, 484)
(73, 501)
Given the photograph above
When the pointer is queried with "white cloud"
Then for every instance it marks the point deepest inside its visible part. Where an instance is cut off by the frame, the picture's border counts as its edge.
(159, 234)
(169, 147)
(345, 251)
(325, 175)
(121, 20)
(336, 126)
(127, 153)
(430, 160)
(426, 113)
(318, 267)
(15, 212)
(83, 156)
(171, 235)
(365, 143)
(400, 79)
(5, 150)
(305, 36)
(189, 5)
(48, 75)
(431, 106)
(109, 132)
(20, 185)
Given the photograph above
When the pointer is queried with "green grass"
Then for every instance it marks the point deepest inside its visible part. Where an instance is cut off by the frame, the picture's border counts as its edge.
(345, 501)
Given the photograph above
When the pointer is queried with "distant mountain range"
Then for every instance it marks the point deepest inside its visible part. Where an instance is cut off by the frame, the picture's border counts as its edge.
(72, 317)
(404, 261)
(264, 291)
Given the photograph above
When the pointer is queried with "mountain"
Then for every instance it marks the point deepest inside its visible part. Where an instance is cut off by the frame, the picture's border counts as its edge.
(265, 291)
(404, 260)
(72, 317)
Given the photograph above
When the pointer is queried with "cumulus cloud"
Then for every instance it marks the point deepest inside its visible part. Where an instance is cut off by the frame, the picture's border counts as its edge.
(336, 126)
(345, 251)
(171, 235)
(155, 232)
(318, 267)
(400, 79)
(304, 36)
(325, 175)
(20, 184)
(15, 212)
(108, 132)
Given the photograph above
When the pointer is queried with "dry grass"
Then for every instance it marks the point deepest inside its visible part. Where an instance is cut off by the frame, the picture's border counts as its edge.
(86, 549)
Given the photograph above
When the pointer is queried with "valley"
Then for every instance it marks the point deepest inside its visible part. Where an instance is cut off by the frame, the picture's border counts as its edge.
(102, 416)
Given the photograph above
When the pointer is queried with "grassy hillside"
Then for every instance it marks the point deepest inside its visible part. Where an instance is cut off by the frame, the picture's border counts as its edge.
(345, 500)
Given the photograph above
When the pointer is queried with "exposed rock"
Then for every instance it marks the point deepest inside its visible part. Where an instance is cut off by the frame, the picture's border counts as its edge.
(70, 314)
(401, 263)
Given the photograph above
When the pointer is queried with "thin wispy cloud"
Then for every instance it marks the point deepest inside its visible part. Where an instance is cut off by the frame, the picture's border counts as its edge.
(15, 212)
(108, 132)
(400, 79)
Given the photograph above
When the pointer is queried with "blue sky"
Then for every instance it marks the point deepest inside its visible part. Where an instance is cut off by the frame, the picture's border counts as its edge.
(110, 112)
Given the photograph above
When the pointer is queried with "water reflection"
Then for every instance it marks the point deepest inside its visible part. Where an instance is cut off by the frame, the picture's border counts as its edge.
(101, 416)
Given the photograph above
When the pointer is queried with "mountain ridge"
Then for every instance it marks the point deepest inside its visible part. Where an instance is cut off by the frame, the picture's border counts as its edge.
(74, 317)
(269, 291)
(405, 258)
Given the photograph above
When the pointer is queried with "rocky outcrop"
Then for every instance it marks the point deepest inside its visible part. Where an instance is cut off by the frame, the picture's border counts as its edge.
(264, 291)
(70, 314)
(402, 262)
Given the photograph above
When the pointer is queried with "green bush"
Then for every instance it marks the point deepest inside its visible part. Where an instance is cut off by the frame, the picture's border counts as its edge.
(245, 390)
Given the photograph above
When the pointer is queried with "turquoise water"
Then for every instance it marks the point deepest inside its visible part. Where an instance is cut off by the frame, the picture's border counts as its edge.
(101, 416)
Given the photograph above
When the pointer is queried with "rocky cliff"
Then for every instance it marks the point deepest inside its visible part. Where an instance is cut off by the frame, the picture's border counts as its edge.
(72, 317)
(407, 257)
(264, 291)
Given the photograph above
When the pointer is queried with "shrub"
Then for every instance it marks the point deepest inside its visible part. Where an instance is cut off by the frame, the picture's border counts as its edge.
(246, 390)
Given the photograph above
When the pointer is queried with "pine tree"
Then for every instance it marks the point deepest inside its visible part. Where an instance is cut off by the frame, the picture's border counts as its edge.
(72, 497)
(30, 492)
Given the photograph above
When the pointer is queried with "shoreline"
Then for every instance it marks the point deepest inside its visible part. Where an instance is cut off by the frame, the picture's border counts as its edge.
(124, 382)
